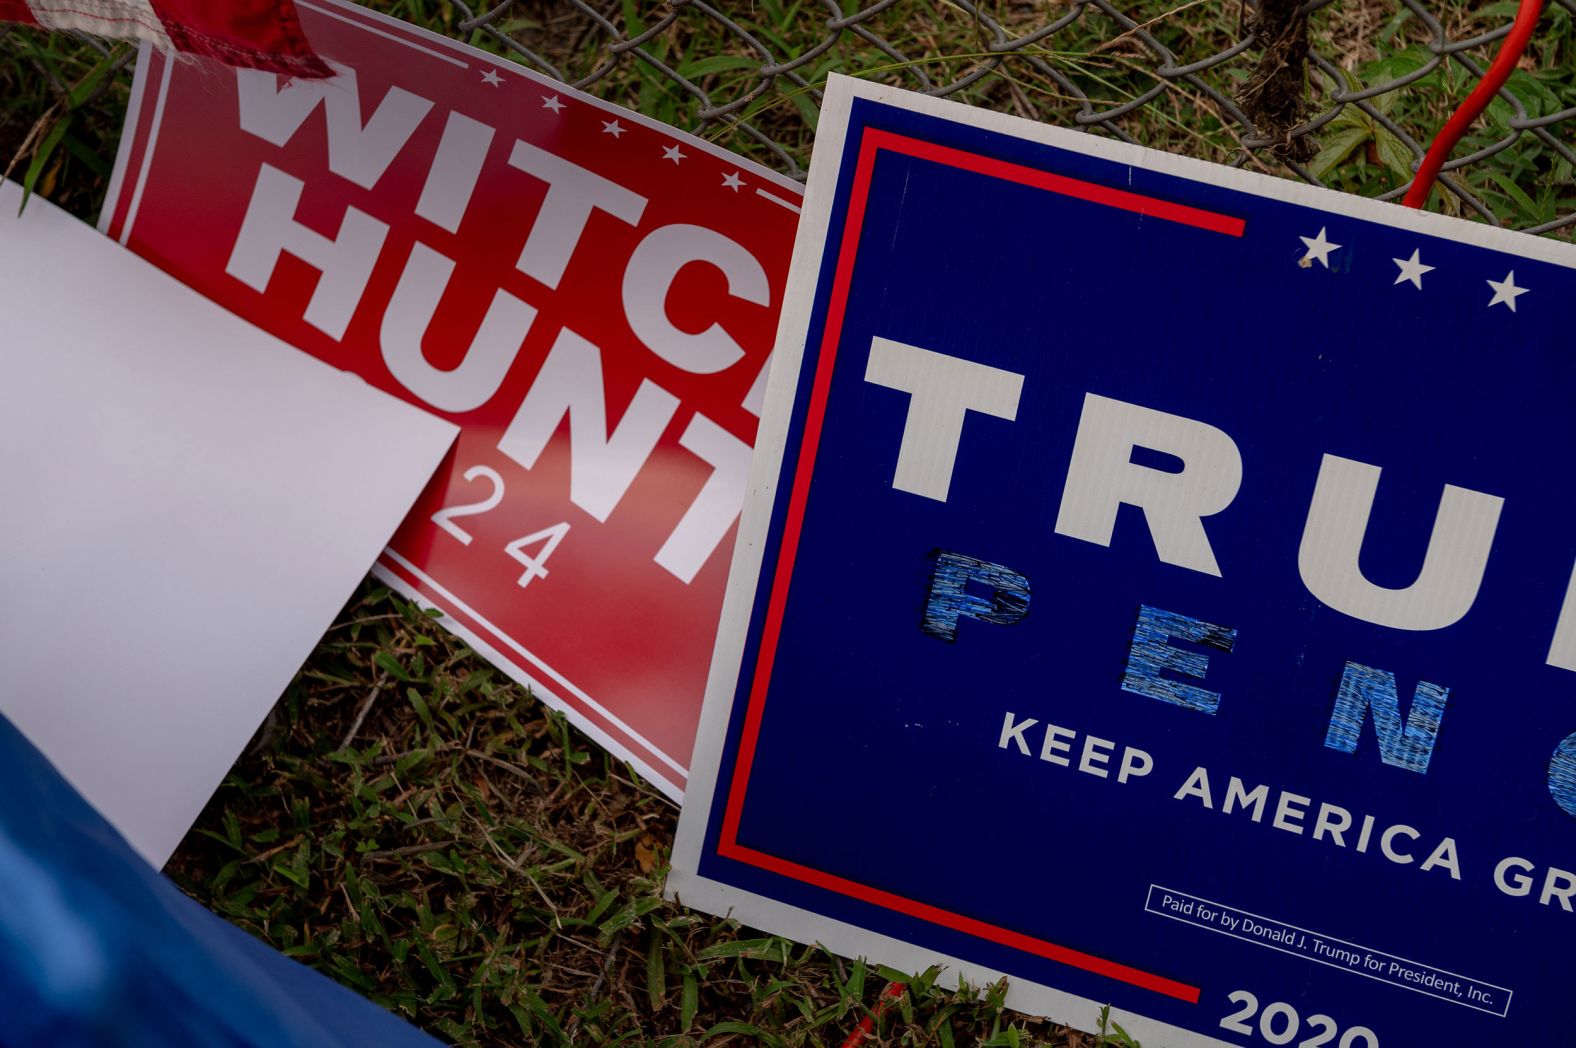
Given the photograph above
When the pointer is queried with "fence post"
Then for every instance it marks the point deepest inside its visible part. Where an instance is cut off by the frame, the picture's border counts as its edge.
(1275, 96)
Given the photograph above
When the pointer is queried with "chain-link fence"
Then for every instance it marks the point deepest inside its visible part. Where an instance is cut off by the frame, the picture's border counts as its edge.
(1346, 93)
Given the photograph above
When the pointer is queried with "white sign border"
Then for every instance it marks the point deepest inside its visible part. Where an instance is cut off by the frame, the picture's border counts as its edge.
(685, 884)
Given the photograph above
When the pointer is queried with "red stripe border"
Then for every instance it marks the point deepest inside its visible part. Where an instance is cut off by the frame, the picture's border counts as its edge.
(872, 142)
(500, 645)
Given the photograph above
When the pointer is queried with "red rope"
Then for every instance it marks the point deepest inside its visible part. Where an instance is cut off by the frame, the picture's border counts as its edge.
(867, 1026)
(1504, 64)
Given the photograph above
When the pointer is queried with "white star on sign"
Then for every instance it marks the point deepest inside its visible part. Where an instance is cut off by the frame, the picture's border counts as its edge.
(673, 153)
(491, 77)
(552, 102)
(1318, 248)
(1412, 270)
(612, 127)
(1506, 291)
(733, 181)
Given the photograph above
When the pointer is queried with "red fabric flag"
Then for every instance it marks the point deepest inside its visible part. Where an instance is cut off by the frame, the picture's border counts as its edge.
(256, 34)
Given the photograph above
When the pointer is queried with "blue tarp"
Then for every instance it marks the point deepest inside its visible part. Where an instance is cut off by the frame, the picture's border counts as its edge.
(98, 948)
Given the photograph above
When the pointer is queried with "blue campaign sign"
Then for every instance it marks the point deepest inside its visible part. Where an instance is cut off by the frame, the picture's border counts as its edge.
(1156, 588)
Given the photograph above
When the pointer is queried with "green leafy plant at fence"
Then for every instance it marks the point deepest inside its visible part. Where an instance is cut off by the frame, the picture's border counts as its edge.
(1527, 184)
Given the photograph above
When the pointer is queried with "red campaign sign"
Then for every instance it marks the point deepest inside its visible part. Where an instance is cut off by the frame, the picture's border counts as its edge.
(590, 294)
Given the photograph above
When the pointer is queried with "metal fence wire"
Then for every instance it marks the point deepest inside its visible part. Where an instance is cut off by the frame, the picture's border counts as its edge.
(1344, 93)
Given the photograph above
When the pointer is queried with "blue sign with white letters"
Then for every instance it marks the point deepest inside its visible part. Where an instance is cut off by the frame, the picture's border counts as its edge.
(1157, 589)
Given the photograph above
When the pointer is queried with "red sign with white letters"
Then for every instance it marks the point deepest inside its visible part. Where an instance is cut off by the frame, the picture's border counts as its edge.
(592, 296)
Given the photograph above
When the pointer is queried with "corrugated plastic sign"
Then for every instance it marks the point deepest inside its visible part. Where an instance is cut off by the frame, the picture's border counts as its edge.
(590, 294)
(1080, 634)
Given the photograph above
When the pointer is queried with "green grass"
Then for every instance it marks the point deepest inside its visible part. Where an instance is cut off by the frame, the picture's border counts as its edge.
(62, 100)
(465, 857)
(474, 863)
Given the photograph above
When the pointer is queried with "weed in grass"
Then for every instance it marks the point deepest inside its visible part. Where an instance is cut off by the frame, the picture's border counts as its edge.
(1112, 1034)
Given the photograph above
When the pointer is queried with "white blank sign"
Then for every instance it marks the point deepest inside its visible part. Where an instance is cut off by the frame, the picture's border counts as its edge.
(185, 503)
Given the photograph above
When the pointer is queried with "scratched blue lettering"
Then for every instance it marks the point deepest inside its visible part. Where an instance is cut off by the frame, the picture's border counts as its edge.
(950, 600)
(1151, 653)
(1408, 746)
(1562, 774)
